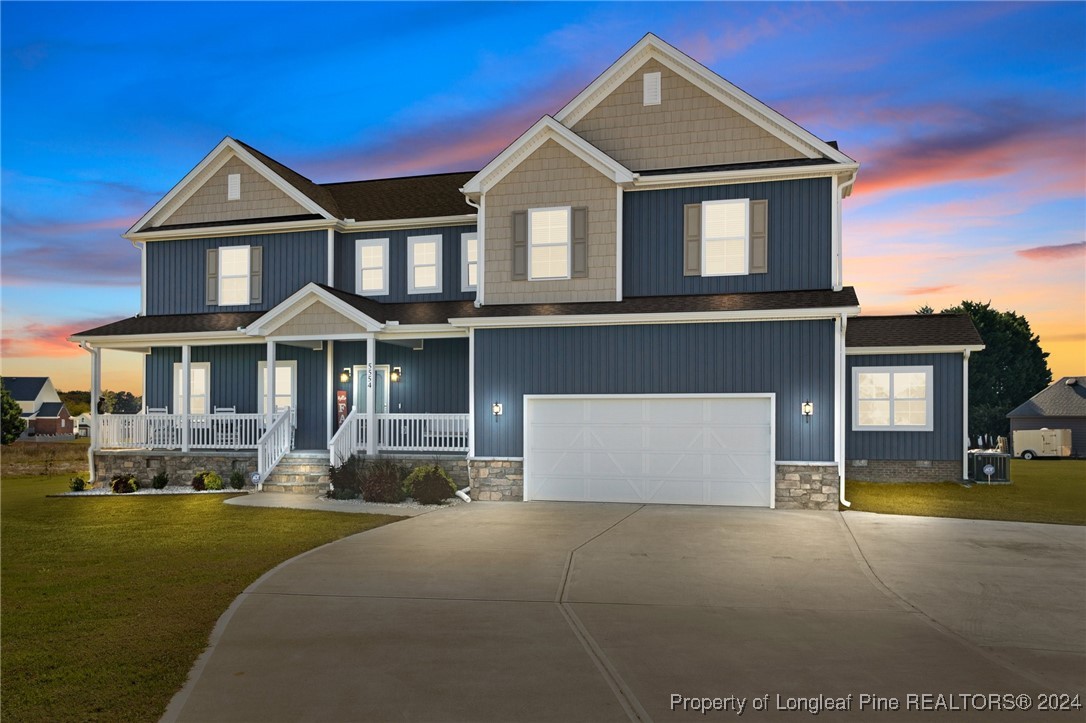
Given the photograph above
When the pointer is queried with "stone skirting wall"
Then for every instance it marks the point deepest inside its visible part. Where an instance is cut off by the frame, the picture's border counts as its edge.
(180, 466)
(807, 487)
(903, 470)
(457, 467)
(497, 480)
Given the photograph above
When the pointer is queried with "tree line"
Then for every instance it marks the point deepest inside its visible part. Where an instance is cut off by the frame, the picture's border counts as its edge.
(113, 402)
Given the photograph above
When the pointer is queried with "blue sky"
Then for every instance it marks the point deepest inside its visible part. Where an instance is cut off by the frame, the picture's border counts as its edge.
(969, 120)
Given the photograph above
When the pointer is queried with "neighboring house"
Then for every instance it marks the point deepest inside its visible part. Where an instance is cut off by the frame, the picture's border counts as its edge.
(640, 299)
(82, 424)
(1060, 405)
(44, 412)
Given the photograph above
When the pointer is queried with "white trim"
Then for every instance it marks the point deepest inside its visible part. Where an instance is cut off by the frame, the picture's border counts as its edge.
(869, 350)
(701, 77)
(965, 414)
(465, 278)
(497, 459)
(247, 276)
(618, 243)
(771, 396)
(176, 400)
(745, 203)
(329, 387)
(892, 371)
(422, 331)
(838, 388)
(358, 371)
(143, 277)
(359, 244)
(310, 225)
(568, 243)
(471, 393)
(835, 234)
(413, 241)
(722, 178)
(806, 464)
(371, 413)
(688, 317)
(331, 254)
(480, 228)
(463, 219)
(546, 128)
(271, 320)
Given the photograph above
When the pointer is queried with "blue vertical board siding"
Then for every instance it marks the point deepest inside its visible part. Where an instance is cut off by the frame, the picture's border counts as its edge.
(435, 379)
(234, 375)
(345, 269)
(945, 440)
(177, 270)
(800, 245)
(793, 359)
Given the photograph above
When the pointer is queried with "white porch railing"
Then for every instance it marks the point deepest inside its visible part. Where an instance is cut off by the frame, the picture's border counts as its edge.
(164, 431)
(273, 444)
(401, 433)
(348, 439)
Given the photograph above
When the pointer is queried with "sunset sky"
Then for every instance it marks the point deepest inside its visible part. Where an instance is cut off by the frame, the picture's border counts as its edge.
(968, 119)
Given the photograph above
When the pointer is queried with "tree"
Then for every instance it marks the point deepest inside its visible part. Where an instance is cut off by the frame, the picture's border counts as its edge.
(12, 423)
(76, 402)
(925, 310)
(1010, 370)
(126, 403)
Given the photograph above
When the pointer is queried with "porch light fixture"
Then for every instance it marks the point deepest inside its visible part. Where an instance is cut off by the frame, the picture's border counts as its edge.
(496, 408)
(345, 375)
(807, 409)
(397, 372)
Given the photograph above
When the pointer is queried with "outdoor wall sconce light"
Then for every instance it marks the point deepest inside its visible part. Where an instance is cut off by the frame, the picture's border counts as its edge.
(397, 372)
(345, 375)
(807, 409)
(496, 408)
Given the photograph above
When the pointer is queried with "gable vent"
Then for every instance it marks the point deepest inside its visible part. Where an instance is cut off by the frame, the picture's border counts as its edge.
(652, 88)
(233, 187)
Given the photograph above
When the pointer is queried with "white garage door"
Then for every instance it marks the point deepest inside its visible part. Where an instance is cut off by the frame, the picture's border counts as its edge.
(680, 449)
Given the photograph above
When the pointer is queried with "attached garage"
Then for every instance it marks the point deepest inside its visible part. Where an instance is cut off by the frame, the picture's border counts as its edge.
(697, 449)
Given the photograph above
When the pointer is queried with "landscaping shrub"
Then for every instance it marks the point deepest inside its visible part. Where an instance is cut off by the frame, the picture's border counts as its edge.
(347, 478)
(160, 480)
(383, 482)
(430, 484)
(237, 479)
(206, 481)
(78, 484)
(123, 484)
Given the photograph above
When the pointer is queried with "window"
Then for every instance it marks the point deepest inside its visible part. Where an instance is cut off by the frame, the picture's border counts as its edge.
(233, 275)
(548, 243)
(233, 187)
(424, 264)
(469, 261)
(371, 255)
(286, 374)
(724, 238)
(652, 89)
(199, 388)
(892, 398)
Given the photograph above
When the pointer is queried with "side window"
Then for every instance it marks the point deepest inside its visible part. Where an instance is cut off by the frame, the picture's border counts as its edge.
(469, 261)
(371, 258)
(549, 243)
(424, 264)
(725, 238)
(892, 399)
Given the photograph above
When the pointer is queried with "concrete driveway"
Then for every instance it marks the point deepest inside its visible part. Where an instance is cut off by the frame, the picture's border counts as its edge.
(607, 612)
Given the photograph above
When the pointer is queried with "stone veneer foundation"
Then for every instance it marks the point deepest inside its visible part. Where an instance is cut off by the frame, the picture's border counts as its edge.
(180, 466)
(807, 487)
(496, 480)
(903, 470)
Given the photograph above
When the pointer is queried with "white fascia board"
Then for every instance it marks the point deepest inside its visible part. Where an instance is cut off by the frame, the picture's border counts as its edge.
(690, 317)
(720, 178)
(422, 331)
(283, 311)
(738, 100)
(136, 342)
(464, 219)
(868, 350)
(319, 224)
(546, 128)
(181, 185)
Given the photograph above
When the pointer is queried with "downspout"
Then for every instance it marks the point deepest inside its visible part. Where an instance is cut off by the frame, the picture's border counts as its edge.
(142, 246)
(480, 228)
(965, 414)
(838, 235)
(843, 375)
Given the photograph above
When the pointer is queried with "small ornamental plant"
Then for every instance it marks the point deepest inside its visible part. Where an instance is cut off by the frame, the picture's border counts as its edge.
(206, 481)
(123, 484)
(77, 484)
(383, 482)
(237, 479)
(347, 478)
(160, 480)
(429, 484)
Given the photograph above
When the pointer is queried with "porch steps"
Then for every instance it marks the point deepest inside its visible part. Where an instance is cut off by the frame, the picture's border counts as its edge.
(300, 473)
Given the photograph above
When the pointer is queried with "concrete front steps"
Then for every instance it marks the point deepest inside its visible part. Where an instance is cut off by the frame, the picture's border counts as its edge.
(300, 472)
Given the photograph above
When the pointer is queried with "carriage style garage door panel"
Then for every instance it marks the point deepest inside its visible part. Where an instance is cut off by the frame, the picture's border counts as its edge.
(670, 449)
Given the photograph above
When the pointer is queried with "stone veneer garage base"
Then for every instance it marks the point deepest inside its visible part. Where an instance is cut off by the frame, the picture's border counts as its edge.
(798, 486)
(903, 470)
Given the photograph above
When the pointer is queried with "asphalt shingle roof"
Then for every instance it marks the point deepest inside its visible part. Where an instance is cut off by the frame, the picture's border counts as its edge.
(912, 330)
(1065, 397)
(24, 389)
(50, 409)
(174, 324)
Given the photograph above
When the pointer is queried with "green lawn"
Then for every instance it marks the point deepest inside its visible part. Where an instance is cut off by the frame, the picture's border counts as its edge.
(1044, 490)
(108, 601)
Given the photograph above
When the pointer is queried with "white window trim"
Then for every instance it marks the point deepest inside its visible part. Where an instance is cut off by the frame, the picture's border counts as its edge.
(412, 241)
(175, 393)
(746, 235)
(262, 372)
(233, 187)
(360, 244)
(248, 275)
(464, 263)
(568, 244)
(929, 373)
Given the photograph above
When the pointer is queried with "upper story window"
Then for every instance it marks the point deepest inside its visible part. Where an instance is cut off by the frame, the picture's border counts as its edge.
(725, 238)
(469, 261)
(199, 388)
(233, 187)
(371, 255)
(548, 243)
(424, 264)
(892, 398)
(234, 275)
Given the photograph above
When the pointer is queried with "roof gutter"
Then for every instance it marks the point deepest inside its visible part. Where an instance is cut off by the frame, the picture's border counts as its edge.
(842, 429)
(751, 174)
(688, 317)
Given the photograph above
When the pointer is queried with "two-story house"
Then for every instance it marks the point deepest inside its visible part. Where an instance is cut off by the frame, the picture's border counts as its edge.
(639, 300)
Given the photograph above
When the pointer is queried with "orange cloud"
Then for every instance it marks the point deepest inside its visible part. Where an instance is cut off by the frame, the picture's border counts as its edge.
(927, 290)
(38, 340)
(1053, 253)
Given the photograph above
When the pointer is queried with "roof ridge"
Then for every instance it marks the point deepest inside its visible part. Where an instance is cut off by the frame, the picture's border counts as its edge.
(398, 178)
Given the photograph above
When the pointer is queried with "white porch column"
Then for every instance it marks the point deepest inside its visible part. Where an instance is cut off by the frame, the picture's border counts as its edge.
(965, 414)
(471, 393)
(330, 388)
(95, 392)
(371, 401)
(186, 395)
(269, 384)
